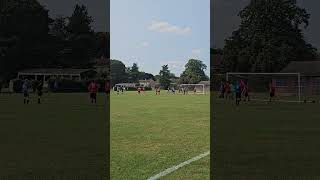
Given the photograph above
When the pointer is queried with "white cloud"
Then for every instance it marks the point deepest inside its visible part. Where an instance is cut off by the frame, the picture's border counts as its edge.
(196, 51)
(163, 26)
(177, 65)
(143, 44)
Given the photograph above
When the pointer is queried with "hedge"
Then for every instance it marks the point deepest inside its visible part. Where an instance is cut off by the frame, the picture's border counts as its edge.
(74, 86)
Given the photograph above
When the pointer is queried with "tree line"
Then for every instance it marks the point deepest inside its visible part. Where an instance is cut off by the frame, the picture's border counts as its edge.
(30, 38)
(269, 37)
(194, 73)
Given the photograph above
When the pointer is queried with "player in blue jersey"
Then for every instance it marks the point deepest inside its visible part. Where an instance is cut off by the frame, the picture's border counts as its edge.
(238, 93)
(25, 91)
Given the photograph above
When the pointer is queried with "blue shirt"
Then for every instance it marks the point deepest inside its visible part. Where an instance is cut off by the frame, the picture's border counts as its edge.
(238, 88)
(25, 87)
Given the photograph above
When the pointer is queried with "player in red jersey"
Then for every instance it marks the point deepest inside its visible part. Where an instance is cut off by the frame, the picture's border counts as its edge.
(158, 91)
(107, 87)
(227, 90)
(93, 89)
(246, 92)
(242, 86)
(272, 90)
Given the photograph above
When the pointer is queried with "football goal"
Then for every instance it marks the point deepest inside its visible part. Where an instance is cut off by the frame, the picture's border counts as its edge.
(192, 88)
(288, 86)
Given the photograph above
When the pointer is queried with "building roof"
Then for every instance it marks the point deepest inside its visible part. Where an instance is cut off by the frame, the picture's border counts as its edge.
(146, 80)
(126, 84)
(55, 71)
(305, 68)
(204, 82)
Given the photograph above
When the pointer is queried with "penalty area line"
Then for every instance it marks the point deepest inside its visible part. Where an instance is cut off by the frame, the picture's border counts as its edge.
(176, 167)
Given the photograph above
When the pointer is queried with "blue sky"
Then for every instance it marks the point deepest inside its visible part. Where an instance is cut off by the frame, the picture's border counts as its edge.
(153, 33)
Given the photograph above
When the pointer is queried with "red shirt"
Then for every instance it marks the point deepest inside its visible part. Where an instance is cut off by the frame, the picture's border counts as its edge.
(93, 88)
(228, 89)
(242, 85)
(107, 86)
(271, 87)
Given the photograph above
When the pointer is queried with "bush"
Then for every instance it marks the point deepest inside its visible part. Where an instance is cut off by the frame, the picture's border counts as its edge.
(71, 86)
(17, 85)
(216, 81)
(148, 88)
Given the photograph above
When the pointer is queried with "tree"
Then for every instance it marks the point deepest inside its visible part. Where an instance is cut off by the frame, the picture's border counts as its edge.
(25, 19)
(24, 28)
(144, 75)
(80, 21)
(118, 72)
(164, 77)
(194, 72)
(81, 43)
(269, 37)
(59, 27)
(134, 73)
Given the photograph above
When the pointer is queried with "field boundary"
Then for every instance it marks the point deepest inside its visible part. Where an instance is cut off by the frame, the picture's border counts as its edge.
(275, 100)
(176, 167)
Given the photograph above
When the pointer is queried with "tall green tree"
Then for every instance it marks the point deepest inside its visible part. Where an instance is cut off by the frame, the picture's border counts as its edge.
(24, 19)
(147, 76)
(164, 77)
(194, 72)
(118, 72)
(25, 43)
(59, 27)
(80, 21)
(134, 73)
(81, 40)
(269, 37)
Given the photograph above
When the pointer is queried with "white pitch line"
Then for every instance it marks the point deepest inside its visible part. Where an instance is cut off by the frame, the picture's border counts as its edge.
(174, 168)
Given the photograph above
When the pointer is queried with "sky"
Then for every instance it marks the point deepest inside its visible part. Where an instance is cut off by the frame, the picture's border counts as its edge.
(98, 9)
(153, 33)
(224, 20)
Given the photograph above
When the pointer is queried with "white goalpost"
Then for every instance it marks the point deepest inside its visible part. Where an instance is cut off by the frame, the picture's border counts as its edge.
(288, 85)
(193, 88)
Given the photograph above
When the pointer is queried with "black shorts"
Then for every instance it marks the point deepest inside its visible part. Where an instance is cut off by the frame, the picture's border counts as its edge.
(93, 95)
(108, 92)
(25, 94)
(238, 95)
(272, 94)
(246, 94)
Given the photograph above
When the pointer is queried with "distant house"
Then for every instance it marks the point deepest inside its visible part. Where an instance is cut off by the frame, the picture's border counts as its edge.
(206, 85)
(147, 83)
(310, 78)
(101, 65)
(52, 73)
(127, 85)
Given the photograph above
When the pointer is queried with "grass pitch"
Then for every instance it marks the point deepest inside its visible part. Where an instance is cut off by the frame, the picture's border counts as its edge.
(267, 139)
(65, 136)
(151, 133)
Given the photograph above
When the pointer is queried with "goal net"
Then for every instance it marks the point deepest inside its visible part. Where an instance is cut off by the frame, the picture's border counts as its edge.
(288, 86)
(192, 88)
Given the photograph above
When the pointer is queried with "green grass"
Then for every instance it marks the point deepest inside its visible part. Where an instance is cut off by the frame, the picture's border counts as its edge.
(64, 136)
(267, 139)
(152, 133)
